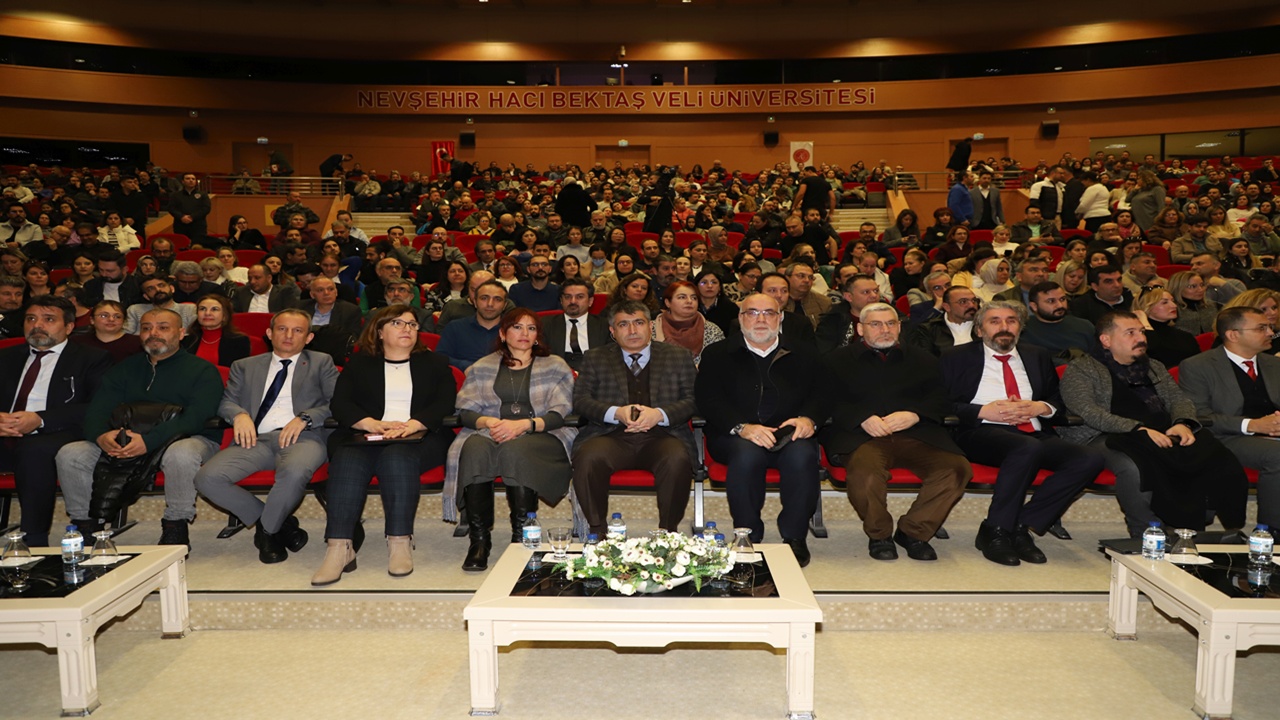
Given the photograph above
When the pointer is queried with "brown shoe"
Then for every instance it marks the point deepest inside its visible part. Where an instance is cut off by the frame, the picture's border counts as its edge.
(339, 558)
(400, 547)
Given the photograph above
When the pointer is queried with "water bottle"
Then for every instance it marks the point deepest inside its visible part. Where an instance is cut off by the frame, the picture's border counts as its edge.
(72, 555)
(709, 531)
(720, 540)
(592, 539)
(1153, 542)
(617, 528)
(531, 534)
(1260, 545)
(1259, 577)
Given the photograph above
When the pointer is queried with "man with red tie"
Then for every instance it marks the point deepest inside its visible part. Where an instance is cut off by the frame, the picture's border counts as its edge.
(1005, 394)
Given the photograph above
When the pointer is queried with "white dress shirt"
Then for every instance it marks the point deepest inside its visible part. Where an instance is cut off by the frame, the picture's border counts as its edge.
(991, 388)
(583, 342)
(281, 411)
(259, 303)
(38, 398)
(961, 333)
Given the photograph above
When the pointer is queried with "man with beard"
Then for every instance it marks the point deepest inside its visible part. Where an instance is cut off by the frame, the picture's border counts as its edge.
(1142, 274)
(537, 293)
(756, 390)
(1004, 393)
(11, 317)
(45, 387)
(1053, 328)
(954, 327)
(889, 403)
(157, 293)
(1168, 469)
(466, 340)
(571, 334)
(112, 282)
(1108, 294)
(260, 295)
(1031, 272)
(164, 373)
(804, 299)
(839, 327)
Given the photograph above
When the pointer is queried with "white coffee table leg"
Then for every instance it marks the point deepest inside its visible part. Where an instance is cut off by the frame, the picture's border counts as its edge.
(800, 672)
(175, 619)
(1122, 610)
(484, 668)
(77, 669)
(1215, 670)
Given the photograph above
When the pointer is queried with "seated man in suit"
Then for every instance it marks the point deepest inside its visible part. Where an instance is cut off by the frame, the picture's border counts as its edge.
(1237, 385)
(954, 327)
(466, 307)
(1004, 393)
(750, 387)
(45, 387)
(572, 334)
(335, 323)
(470, 339)
(260, 295)
(277, 404)
(889, 402)
(637, 397)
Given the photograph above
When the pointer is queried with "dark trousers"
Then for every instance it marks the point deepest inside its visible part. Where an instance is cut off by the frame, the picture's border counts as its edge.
(30, 459)
(744, 485)
(1092, 224)
(943, 477)
(662, 454)
(1020, 456)
(398, 467)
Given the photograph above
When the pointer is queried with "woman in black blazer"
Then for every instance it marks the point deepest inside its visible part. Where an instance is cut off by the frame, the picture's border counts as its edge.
(212, 336)
(242, 237)
(397, 389)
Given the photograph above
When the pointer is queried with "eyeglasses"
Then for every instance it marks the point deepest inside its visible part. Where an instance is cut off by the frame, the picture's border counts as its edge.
(402, 324)
(882, 324)
(109, 316)
(767, 314)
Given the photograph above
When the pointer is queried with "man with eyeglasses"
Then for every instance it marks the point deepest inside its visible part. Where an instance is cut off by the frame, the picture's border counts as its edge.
(469, 339)
(888, 404)
(374, 295)
(760, 392)
(1237, 386)
(953, 327)
(537, 293)
(839, 327)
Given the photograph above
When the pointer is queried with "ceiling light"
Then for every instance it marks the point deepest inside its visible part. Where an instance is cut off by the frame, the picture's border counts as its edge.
(1206, 145)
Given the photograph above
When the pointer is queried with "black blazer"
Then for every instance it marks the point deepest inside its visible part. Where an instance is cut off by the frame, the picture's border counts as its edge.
(130, 291)
(556, 334)
(230, 349)
(728, 387)
(962, 373)
(361, 392)
(280, 298)
(75, 379)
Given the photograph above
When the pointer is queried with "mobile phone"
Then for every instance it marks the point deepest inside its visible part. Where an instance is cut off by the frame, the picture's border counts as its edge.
(782, 437)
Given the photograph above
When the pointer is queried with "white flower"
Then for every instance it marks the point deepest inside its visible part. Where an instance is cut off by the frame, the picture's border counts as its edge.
(682, 558)
(607, 563)
(614, 584)
(678, 570)
(668, 584)
(644, 574)
(627, 589)
(592, 561)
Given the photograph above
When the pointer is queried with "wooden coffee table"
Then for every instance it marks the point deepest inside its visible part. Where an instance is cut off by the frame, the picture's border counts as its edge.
(495, 619)
(1224, 624)
(69, 624)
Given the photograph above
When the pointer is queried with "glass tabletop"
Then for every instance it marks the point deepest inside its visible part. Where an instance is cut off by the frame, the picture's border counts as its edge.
(45, 578)
(540, 579)
(1231, 575)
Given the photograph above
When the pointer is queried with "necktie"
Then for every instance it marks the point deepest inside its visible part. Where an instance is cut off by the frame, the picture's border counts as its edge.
(1252, 375)
(574, 345)
(272, 392)
(29, 381)
(635, 364)
(1011, 388)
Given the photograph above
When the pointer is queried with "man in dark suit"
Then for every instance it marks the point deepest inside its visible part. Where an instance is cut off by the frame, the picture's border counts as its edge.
(751, 387)
(189, 284)
(988, 211)
(1030, 273)
(1004, 394)
(889, 404)
(277, 405)
(637, 397)
(112, 283)
(1237, 386)
(571, 335)
(45, 386)
(954, 327)
(486, 254)
(795, 326)
(261, 295)
(1107, 293)
(335, 323)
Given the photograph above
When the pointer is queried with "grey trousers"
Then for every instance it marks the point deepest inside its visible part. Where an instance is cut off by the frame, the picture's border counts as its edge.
(179, 464)
(1134, 503)
(1261, 454)
(293, 466)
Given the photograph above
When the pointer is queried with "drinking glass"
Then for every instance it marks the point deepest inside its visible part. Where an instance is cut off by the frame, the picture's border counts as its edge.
(1184, 548)
(741, 549)
(103, 547)
(560, 537)
(16, 560)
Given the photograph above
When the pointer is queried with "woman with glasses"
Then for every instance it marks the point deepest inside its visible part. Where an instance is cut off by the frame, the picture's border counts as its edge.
(746, 282)
(107, 332)
(1196, 313)
(390, 402)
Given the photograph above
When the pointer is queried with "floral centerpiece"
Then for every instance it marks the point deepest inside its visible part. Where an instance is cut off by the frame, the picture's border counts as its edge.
(650, 564)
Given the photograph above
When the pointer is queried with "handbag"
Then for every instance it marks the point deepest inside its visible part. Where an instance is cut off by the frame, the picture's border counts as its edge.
(117, 482)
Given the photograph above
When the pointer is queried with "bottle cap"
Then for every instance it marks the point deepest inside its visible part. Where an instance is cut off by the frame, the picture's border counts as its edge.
(1263, 527)
(592, 537)
(70, 528)
(531, 515)
(1154, 523)
(617, 516)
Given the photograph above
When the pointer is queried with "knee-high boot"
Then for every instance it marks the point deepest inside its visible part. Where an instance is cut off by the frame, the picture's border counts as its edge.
(521, 501)
(479, 511)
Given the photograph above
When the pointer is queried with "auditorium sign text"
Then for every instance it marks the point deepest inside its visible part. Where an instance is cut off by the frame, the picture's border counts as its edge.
(617, 100)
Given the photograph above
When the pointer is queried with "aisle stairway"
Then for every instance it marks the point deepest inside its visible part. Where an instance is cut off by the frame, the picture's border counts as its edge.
(376, 223)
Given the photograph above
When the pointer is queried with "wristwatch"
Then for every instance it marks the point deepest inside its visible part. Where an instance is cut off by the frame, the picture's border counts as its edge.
(306, 418)
(737, 429)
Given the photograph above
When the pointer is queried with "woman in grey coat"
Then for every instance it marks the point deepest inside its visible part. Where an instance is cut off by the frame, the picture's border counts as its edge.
(1146, 201)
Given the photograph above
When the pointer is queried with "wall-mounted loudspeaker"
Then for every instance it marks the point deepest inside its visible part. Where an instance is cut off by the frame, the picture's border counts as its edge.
(770, 138)
(467, 139)
(193, 133)
(1049, 129)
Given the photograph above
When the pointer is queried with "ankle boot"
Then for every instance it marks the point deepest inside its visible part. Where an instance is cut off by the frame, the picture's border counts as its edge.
(400, 549)
(520, 501)
(479, 512)
(339, 558)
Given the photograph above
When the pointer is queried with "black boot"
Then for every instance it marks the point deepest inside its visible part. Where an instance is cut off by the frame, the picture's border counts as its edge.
(479, 511)
(521, 501)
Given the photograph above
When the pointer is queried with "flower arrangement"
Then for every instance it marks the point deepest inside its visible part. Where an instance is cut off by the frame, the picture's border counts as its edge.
(645, 564)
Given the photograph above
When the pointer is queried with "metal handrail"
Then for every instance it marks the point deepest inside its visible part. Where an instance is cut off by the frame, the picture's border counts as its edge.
(272, 185)
(941, 180)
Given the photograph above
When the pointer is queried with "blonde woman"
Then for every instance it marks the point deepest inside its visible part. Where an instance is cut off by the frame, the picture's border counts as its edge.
(1196, 313)
(1071, 275)
(1166, 342)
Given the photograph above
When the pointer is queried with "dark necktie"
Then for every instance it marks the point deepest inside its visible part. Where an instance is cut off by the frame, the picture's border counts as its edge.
(574, 345)
(273, 392)
(29, 381)
(635, 364)
(1252, 375)
(1011, 389)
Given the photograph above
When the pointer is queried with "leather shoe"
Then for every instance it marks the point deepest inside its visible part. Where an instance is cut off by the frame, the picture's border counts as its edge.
(996, 545)
(292, 534)
(801, 550)
(1026, 548)
(270, 546)
(882, 549)
(916, 549)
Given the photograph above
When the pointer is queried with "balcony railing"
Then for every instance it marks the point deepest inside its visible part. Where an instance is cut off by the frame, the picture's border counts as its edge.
(269, 185)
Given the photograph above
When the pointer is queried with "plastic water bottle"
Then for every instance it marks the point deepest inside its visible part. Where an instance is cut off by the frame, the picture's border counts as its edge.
(617, 528)
(719, 539)
(592, 539)
(531, 534)
(1260, 545)
(709, 531)
(1153, 542)
(72, 555)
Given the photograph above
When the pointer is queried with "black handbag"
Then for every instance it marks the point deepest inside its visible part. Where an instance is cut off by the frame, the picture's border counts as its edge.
(117, 482)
